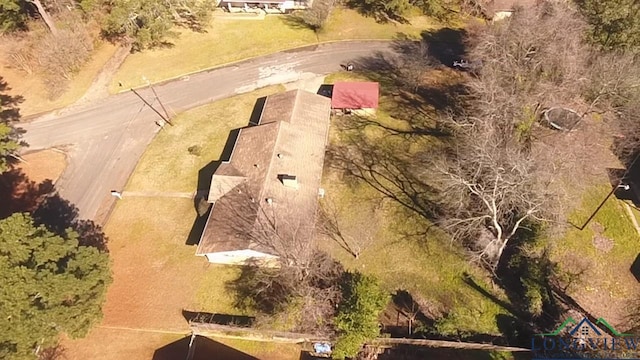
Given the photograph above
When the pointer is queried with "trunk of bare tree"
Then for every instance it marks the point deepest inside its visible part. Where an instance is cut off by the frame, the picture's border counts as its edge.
(45, 16)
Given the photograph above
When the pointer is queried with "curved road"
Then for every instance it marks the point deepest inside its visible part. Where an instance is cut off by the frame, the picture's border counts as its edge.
(105, 139)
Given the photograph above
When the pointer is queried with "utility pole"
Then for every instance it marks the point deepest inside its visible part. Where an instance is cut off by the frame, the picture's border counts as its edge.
(166, 113)
(151, 106)
(160, 102)
(618, 186)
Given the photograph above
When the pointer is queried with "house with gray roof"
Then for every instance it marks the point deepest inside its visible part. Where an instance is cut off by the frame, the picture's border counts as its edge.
(264, 197)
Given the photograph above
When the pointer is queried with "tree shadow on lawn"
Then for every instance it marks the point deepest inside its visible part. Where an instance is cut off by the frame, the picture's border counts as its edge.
(9, 110)
(374, 10)
(202, 207)
(388, 173)
(19, 194)
(408, 352)
(407, 76)
(521, 276)
(446, 45)
(60, 215)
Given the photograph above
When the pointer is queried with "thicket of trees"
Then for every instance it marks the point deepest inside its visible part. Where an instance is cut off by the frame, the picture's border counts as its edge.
(137, 23)
(146, 24)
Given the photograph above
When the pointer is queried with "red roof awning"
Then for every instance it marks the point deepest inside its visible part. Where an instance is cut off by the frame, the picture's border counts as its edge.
(355, 95)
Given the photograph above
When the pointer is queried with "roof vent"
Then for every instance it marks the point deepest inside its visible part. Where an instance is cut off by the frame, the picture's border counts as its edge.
(290, 181)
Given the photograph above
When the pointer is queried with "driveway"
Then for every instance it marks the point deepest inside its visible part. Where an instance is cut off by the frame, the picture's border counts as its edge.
(105, 139)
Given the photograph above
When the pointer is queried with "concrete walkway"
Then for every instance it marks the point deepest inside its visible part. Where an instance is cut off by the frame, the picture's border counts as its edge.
(184, 195)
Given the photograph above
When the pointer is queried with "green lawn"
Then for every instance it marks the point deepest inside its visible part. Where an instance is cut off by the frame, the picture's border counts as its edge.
(602, 254)
(227, 40)
(263, 349)
(167, 164)
(395, 250)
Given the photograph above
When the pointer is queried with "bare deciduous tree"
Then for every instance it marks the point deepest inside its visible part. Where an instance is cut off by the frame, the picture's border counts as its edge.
(527, 62)
(329, 224)
(304, 277)
(48, 20)
(491, 187)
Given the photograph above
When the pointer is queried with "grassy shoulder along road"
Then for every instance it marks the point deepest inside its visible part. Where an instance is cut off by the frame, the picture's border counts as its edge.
(227, 40)
(167, 164)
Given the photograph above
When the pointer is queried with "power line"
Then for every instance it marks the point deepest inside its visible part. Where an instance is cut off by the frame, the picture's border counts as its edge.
(152, 108)
(618, 185)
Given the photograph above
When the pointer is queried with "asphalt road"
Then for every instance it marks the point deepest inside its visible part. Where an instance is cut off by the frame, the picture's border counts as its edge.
(105, 139)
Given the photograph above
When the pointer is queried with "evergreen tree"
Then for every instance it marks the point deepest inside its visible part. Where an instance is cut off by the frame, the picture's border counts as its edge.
(12, 16)
(615, 24)
(357, 319)
(148, 23)
(48, 285)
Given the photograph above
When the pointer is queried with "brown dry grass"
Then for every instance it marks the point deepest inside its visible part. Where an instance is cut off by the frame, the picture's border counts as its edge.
(112, 344)
(43, 165)
(30, 87)
(155, 274)
(118, 344)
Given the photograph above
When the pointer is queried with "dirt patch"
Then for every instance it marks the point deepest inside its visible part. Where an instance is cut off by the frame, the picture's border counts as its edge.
(601, 242)
(44, 164)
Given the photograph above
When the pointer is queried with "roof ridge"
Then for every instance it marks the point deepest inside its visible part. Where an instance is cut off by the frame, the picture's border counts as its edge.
(280, 123)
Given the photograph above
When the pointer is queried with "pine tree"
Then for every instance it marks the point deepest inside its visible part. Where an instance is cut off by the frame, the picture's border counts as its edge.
(48, 285)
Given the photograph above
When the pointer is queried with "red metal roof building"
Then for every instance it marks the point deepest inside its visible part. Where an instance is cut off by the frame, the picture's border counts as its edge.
(355, 95)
